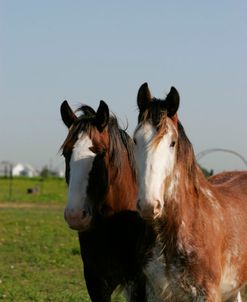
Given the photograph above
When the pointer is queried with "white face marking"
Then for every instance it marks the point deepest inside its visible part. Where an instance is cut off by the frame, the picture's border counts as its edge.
(155, 163)
(80, 165)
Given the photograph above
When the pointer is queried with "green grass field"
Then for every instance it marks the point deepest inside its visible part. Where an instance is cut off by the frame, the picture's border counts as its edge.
(39, 255)
(51, 190)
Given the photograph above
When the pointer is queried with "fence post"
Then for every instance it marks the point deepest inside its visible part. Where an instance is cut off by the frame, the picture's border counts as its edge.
(10, 181)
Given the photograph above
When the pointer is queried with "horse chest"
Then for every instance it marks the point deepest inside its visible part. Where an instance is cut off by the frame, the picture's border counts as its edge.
(171, 282)
(229, 281)
(155, 272)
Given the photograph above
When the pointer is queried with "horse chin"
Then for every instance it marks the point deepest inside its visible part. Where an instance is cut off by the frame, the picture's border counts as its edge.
(149, 211)
(157, 215)
(151, 216)
(83, 226)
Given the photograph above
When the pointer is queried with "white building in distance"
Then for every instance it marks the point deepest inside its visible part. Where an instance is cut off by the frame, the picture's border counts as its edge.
(8, 169)
(24, 170)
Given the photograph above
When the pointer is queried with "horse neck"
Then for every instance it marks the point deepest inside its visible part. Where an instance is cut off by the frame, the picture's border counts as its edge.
(187, 184)
(181, 201)
(122, 188)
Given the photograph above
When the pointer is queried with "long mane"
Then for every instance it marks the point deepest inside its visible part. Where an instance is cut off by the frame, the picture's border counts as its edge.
(120, 142)
(186, 155)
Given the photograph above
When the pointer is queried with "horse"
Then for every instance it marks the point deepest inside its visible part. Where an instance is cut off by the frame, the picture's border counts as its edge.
(200, 252)
(102, 190)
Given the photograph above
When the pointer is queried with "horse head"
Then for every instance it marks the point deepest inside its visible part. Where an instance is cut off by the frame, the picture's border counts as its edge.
(156, 137)
(99, 166)
(86, 140)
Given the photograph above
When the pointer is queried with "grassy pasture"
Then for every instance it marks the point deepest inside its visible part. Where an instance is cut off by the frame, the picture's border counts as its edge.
(51, 190)
(40, 258)
(39, 255)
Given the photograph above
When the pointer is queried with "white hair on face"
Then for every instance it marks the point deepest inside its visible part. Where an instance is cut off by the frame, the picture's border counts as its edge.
(80, 165)
(155, 162)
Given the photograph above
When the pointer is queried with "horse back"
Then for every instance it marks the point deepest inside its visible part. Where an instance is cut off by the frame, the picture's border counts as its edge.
(231, 190)
(232, 186)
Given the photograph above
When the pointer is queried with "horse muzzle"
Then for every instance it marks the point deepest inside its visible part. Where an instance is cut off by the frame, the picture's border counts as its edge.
(79, 220)
(148, 209)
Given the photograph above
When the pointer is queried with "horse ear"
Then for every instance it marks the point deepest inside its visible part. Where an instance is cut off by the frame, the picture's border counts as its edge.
(102, 116)
(67, 114)
(143, 97)
(172, 102)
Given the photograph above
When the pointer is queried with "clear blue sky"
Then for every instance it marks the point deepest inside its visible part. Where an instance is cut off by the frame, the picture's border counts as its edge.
(85, 51)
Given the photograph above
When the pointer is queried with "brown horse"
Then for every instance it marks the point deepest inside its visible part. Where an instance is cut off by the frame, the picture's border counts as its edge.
(201, 224)
(100, 172)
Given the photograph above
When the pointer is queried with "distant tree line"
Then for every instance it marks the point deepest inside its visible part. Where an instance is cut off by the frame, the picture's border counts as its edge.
(206, 172)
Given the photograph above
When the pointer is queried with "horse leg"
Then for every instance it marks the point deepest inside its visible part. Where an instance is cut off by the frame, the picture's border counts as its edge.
(135, 291)
(237, 298)
(98, 289)
(212, 294)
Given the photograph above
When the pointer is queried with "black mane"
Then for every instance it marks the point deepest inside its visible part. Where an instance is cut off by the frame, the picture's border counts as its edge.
(120, 142)
(155, 110)
(186, 154)
(119, 139)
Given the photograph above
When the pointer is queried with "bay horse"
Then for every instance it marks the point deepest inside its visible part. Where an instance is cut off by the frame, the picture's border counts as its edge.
(102, 190)
(200, 224)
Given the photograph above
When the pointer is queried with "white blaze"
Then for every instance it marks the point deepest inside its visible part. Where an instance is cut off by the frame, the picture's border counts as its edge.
(154, 162)
(80, 165)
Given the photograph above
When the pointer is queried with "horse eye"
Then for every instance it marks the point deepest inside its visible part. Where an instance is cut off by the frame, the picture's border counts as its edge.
(134, 140)
(173, 143)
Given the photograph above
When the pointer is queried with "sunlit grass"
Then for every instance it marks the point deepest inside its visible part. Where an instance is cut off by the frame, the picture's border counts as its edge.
(40, 257)
(49, 189)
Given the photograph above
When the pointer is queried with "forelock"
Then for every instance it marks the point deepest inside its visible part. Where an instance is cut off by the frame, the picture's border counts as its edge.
(154, 112)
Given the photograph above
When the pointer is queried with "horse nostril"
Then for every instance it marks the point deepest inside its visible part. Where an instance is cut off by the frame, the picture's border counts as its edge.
(157, 208)
(84, 214)
(65, 215)
(138, 205)
(158, 204)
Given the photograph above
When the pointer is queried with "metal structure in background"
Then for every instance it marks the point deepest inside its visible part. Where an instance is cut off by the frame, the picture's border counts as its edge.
(10, 181)
(208, 151)
(6, 171)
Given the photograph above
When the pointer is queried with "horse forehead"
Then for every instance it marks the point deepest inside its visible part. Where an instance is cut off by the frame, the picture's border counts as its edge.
(89, 134)
(82, 145)
(75, 133)
(147, 132)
